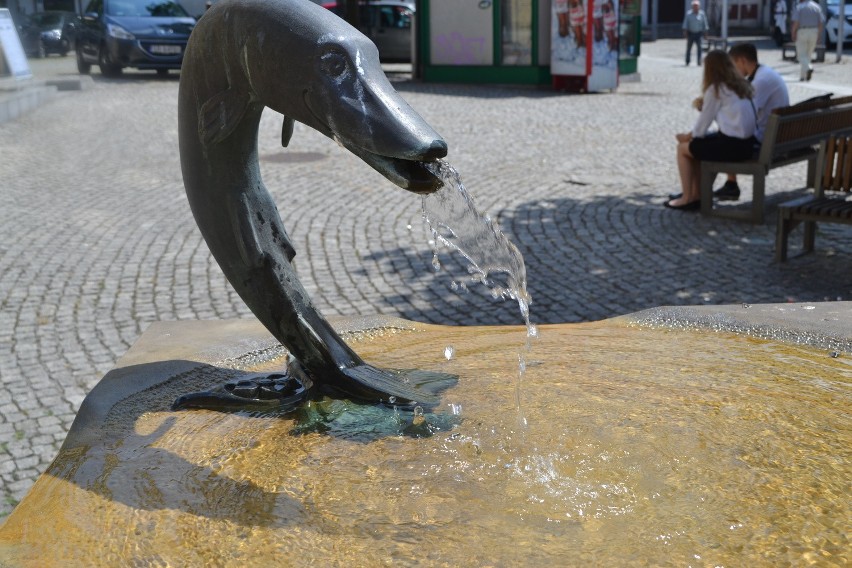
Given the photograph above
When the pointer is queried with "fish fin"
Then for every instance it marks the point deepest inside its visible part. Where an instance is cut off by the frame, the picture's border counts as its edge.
(422, 387)
(287, 130)
(220, 115)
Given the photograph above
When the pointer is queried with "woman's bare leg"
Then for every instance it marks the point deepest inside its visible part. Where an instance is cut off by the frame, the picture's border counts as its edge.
(687, 166)
(696, 180)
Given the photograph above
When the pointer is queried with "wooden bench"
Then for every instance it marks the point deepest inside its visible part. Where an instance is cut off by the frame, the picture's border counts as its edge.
(792, 135)
(791, 48)
(834, 173)
(715, 42)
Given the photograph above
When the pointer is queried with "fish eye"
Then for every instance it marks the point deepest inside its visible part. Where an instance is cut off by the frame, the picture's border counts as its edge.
(333, 63)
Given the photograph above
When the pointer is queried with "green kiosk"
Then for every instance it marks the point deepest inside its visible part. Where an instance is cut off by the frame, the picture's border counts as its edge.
(510, 41)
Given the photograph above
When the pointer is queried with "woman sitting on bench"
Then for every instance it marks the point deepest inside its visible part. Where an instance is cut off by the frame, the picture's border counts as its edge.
(727, 102)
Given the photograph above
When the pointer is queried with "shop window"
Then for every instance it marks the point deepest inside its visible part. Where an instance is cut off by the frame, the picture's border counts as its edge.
(517, 32)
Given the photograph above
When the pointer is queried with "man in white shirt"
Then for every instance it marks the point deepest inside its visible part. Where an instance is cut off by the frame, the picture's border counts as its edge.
(770, 92)
(695, 27)
(808, 21)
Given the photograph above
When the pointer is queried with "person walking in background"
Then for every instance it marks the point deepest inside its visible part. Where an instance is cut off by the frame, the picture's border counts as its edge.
(808, 21)
(695, 28)
(727, 102)
(780, 12)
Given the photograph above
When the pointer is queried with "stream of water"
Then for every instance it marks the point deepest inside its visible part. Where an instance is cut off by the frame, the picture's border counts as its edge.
(493, 260)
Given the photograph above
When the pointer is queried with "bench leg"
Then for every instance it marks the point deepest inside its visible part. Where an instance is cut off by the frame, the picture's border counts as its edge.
(759, 187)
(811, 181)
(782, 232)
(707, 177)
(810, 236)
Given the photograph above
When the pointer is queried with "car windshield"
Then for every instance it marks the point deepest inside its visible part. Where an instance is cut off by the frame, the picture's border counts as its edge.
(44, 20)
(145, 8)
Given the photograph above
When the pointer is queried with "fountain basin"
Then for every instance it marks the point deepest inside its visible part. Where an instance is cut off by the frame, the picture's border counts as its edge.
(676, 436)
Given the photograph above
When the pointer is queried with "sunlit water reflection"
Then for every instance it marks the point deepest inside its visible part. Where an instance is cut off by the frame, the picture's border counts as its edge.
(644, 447)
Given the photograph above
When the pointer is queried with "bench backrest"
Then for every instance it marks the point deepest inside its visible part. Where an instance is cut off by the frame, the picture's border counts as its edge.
(804, 126)
(835, 164)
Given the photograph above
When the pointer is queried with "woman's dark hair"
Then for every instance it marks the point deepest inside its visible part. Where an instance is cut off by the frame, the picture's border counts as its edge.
(719, 70)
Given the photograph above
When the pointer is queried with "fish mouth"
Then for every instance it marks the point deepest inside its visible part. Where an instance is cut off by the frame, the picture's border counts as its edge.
(408, 166)
(413, 175)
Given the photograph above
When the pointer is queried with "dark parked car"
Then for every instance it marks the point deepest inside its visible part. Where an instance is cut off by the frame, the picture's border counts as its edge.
(387, 23)
(143, 34)
(50, 32)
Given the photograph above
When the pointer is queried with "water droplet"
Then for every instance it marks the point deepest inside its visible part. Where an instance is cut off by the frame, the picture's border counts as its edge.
(408, 227)
(454, 286)
(436, 264)
(449, 351)
(522, 364)
(455, 409)
(746, 306)
(532, 330)
(418, 419)
(392, 399)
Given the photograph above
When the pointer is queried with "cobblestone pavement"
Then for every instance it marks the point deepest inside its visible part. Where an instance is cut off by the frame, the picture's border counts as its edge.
(97, 241)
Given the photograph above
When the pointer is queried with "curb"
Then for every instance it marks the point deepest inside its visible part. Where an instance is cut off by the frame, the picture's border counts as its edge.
(18, 99)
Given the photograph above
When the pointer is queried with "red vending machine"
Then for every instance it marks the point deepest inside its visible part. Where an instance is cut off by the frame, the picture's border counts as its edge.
(584, 45)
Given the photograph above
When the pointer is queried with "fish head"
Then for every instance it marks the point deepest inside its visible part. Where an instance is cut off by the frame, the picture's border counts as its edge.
(349, 99)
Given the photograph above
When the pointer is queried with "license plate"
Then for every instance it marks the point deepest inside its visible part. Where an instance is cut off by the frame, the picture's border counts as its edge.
(166, 49)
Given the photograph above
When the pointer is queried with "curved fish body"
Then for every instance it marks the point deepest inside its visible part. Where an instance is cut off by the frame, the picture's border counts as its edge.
(311, 66)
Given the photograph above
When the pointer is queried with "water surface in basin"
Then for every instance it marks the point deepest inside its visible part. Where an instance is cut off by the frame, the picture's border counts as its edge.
(643, 447)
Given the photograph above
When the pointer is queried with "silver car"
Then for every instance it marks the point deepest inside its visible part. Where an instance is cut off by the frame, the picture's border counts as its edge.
(832, 22)
(386, 22)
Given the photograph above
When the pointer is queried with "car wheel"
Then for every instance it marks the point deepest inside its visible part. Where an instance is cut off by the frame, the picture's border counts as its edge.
(108, 68)
(82, 67)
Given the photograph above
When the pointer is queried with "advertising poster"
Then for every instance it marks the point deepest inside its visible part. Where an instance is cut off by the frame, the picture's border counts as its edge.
(10, 46)
(585, 41)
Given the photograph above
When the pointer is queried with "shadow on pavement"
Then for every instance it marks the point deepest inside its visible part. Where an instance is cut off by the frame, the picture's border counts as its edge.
(588, 260)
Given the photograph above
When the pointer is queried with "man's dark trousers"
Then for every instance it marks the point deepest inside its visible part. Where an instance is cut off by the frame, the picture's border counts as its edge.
(693, 38)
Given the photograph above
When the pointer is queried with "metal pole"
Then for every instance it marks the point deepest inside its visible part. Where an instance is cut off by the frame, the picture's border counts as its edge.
(655, 16)
(352, 13)
(841, 33)
(725, 22)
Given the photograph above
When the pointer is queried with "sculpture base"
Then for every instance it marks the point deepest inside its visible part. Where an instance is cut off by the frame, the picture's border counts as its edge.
(623, 441)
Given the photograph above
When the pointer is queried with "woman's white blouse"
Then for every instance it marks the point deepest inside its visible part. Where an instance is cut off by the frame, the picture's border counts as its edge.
(734, 116)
